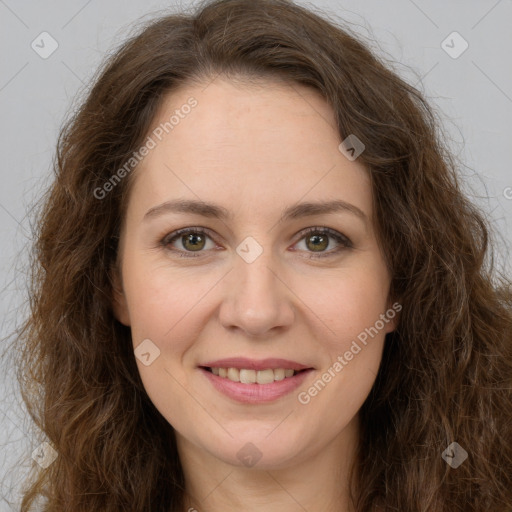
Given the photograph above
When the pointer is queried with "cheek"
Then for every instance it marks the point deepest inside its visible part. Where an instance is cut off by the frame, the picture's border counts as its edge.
(349, 304)
(351, 309)
(166, 306)
(167, 310)
(161, 302)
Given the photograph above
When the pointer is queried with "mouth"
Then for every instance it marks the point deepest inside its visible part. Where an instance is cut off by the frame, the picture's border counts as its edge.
(253, 382)
(249, 376)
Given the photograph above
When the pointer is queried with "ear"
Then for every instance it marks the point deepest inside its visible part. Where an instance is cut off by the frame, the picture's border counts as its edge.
(393, 314)
(119, 304)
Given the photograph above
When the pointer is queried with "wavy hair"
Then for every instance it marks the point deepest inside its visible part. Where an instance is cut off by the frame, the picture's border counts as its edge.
(446, 372)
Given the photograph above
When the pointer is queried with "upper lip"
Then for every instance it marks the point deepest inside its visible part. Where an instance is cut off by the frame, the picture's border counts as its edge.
(255, 364)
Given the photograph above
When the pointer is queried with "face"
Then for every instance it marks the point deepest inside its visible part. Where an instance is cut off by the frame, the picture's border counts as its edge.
(253, 275)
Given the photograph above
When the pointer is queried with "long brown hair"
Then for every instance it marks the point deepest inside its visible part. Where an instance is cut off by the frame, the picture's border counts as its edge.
(446, 373)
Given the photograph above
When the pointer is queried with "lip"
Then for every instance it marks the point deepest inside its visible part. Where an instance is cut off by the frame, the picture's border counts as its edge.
(255, 393)
(255, 364)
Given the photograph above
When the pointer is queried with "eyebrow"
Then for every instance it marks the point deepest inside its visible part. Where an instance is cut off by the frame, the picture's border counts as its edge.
(212, 210)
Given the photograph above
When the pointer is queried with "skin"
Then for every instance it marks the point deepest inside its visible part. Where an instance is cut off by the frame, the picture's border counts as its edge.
(254, 150)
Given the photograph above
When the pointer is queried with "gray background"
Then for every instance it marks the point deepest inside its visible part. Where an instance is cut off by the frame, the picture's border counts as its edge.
(472, 93)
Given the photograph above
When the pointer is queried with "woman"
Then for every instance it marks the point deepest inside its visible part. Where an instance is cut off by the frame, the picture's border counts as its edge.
(259, 286)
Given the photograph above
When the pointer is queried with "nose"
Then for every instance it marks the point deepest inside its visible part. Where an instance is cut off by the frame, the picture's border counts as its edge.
(257, 299)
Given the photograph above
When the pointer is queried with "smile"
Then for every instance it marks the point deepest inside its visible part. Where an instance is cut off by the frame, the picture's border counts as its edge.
(249, 381)
(247, 376)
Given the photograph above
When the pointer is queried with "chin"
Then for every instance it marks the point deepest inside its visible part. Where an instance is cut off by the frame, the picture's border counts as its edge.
(258, 452)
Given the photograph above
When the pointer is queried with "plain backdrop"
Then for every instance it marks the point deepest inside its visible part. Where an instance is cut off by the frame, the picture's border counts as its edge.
(471, 90)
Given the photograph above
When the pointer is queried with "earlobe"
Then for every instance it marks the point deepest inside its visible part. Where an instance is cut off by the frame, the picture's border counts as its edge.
(119, 304)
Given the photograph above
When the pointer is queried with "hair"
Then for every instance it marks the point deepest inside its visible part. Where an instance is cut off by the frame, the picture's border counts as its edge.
(446, 371)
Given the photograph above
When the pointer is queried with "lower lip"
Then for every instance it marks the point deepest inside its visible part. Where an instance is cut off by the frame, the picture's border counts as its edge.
(256, 393)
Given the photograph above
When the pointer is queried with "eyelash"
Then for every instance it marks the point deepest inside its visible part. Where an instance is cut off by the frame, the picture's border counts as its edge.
(341, 239)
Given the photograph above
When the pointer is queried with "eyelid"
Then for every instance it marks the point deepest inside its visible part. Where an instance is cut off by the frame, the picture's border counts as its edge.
(170, 237)
(344, 241)
(328, 231)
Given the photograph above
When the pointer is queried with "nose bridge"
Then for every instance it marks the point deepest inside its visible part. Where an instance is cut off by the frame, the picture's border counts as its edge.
(256, 299)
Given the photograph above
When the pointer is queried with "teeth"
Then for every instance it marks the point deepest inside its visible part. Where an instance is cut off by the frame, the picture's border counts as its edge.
(279, 374)
(265, 376)
(253, 376)
(234, 374)
(247, 377)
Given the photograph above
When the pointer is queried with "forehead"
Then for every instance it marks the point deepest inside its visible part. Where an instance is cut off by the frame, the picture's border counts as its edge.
(261, 144)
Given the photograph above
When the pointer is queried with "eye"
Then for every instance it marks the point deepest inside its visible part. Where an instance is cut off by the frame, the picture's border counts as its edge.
(194, 240)
(317, 241)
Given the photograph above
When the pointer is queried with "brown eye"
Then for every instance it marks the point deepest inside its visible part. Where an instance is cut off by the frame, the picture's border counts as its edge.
(193, 241)
(187, 241)
(317, 242)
